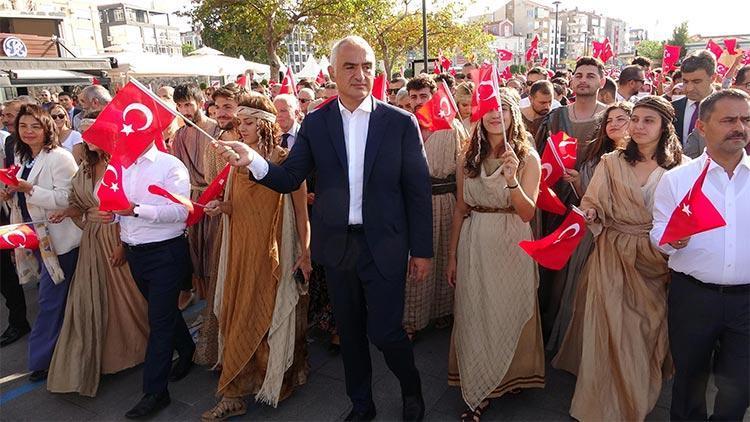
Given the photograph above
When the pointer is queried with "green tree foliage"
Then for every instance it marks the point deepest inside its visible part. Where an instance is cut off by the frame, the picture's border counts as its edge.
(187, 49)
(654, 50)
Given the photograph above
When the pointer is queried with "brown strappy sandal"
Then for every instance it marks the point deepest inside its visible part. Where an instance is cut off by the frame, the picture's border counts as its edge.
(476, 414)
(225, 409)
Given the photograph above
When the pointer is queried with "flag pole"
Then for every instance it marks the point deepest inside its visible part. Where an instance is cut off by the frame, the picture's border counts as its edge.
(177, 113)
(24, 223)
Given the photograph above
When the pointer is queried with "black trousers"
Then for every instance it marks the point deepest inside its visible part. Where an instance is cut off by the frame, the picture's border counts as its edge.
(366, 304)
(705, 323)
(12, 292)
(159, 272)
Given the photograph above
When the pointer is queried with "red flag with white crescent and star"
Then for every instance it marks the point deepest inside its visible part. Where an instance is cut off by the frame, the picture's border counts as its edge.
(287, 84)
(562, 148)
(195, 211)
(8, 175)
(129, 123)
(380, 87)
(554, 250)
(731, 45)
(486, 96)
(671, 56)
(110, 191)
(548, 199)
(714, 48)
(504, 55)
(439, 111)
(694, 214)
(533, 51)
(18, 236)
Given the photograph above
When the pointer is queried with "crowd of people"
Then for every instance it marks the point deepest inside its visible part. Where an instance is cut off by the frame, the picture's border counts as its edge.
(341, 213)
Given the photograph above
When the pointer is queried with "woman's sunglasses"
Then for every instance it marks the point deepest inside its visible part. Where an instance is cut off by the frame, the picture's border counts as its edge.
(58, 116)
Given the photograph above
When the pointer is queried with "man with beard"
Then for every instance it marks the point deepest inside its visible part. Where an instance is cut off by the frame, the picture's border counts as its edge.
(191, 146)
(92, 98)
(540, 102)
(580, 120)
(226, 100)
(630, 82)
(432, 299)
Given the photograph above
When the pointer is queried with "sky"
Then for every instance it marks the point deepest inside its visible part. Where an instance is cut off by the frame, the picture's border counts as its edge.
(659, 17)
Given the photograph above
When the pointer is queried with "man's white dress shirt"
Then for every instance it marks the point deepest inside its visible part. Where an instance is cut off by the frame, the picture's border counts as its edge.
(158, 218)
(292, 138)
(356, 125)
(714, 256)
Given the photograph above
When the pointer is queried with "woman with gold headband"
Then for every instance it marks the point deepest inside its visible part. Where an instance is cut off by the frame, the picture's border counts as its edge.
(497, 339)
(617, 343)
(261, 331)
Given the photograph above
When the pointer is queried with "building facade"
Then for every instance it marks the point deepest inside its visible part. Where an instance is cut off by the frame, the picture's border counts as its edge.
(298, 47)
(130, 28)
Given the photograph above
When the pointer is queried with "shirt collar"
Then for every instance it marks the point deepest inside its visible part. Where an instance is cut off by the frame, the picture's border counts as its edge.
(744, 162)
(150, 154)
(366, 106)
(293, 130)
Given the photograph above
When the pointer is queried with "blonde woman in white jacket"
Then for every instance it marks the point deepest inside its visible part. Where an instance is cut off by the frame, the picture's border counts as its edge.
(45, 179)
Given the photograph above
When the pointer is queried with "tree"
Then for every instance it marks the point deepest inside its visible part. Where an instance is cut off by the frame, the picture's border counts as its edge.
(394, 31)
(680, 37)
(257, 29)
(654, 50)
(187, 49)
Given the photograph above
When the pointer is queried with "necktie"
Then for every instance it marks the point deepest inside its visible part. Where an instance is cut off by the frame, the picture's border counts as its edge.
(285, 140)
(693, 119)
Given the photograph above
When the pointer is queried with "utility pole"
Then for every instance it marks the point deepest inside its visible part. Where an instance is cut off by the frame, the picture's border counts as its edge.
(424, 34)
(557, 32)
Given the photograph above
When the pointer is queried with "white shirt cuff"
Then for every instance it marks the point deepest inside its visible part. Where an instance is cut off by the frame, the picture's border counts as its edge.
(147, 212)
(258, 166)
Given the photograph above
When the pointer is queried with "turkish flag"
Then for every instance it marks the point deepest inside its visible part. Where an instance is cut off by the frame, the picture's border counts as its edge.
(548, 200)
(110, 192)
(554, 250)
(160, 144)
(130, 123)
(435, 67)
(8, 176)
(321, 78)
(330, 99)
(506, 73)
(545, 62)
(606, 52)
(445, 63)
(714, 48)
(18, 236)
(694, 214)
(731, 45)
(504, 55)
(671, 56)
(533, 51)
(552, 167)
(216, 187)
(596, 51)
(439, 111)
(380, 87)
(563, 148)
(486, 96)
(287, 84)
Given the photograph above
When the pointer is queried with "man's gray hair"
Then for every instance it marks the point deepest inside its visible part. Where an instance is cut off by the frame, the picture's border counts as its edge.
(353, 40)
(309, 91)
(289, 99)
(97, 92)
(401, 94)
(709, 103)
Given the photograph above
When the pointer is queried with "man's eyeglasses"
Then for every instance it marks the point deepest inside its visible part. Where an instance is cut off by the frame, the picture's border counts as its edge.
(304, 100)
(529, 83)
(58, 116)
(393, 91)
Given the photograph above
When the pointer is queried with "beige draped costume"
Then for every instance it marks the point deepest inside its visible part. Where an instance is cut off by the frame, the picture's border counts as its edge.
(497, 339)
(105, 329)
(617, 341)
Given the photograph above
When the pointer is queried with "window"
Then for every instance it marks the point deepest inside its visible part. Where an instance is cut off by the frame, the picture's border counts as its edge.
(119, 15)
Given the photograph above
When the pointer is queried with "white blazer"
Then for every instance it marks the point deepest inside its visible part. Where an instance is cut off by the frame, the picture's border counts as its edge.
(51, 177)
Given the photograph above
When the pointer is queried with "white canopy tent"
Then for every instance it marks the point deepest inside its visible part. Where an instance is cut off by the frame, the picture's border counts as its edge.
(153, 65)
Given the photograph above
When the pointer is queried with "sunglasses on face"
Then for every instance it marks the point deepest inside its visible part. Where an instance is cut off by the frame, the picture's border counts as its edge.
(304, 100)
(393, 91)
(58, 116)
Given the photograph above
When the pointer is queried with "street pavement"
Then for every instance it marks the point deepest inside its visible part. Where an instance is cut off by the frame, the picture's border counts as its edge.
(323, 398)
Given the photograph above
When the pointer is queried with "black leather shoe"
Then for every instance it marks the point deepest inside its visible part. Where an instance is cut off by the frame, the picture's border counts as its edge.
(38, 376)
(413, 408)
(183, 365)
(149, 404)
(362, 416)
(13, 334)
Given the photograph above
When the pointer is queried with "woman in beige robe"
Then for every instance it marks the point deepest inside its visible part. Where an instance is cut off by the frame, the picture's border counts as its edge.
(617, 342)
(496, 345)
(105, 329)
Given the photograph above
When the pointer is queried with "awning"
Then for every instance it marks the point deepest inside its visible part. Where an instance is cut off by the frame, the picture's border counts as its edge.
(43, 77)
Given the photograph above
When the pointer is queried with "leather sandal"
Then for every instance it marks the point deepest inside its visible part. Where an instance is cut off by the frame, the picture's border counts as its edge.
(226, 408)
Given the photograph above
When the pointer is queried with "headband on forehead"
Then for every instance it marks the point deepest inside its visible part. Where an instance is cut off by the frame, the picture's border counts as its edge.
(244, 111)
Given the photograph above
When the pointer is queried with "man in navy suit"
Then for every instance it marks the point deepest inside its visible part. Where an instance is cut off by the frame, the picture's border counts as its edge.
(698, 70)
(372, 211)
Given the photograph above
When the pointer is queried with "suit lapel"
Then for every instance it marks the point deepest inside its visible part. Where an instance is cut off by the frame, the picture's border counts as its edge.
(336, 130)
(375, 132)
(38, 165)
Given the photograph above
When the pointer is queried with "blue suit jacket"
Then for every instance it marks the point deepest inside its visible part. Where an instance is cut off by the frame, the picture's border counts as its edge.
(396, 197)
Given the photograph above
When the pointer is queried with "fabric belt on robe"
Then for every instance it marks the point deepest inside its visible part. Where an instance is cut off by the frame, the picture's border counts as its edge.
(488, 210)
(443, 186)
(634, 230)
